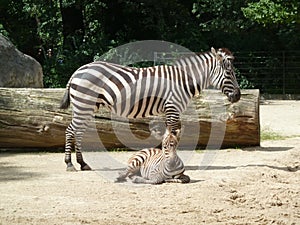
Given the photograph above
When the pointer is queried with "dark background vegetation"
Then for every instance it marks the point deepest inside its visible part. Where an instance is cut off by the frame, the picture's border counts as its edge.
(65, 34)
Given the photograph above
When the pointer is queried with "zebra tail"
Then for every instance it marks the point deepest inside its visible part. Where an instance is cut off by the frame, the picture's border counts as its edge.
(65, 101)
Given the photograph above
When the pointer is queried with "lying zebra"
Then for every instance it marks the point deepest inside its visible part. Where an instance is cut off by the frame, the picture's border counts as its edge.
(157, 166)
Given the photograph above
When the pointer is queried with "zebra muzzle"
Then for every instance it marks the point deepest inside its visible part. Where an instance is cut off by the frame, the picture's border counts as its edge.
(234, 96)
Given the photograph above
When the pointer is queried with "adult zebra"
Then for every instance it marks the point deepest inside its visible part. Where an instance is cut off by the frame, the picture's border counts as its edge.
(140, 92)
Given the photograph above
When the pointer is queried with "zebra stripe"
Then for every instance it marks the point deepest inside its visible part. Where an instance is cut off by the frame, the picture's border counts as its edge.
(156, 166)
(141, 92)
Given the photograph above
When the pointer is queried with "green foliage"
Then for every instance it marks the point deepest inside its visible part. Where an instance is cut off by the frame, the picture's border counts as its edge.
(220, 15)
(3, 31)
(273, 11)
(243, 81)
(267, 134)
(63, 35)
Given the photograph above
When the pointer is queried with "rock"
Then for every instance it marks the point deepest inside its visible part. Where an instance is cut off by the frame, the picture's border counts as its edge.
(18, 69)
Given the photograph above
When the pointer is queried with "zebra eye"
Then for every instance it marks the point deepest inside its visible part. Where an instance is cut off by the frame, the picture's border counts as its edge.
(172, 143)
(228, 65)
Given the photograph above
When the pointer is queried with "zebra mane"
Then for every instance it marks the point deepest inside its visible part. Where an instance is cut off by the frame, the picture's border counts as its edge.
(193, 54)
(226, 50)
(201, 53)
(182, 60)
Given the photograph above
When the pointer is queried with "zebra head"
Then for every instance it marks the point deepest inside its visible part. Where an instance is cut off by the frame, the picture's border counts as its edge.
(170, 140)
(223, 76)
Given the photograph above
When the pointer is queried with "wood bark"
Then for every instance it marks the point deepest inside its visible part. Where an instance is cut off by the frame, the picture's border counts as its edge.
(31, 118)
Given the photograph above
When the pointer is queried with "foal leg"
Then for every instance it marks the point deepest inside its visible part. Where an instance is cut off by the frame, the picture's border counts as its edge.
(153, 180)
(128, 172)
(183, 179)
(122, 176)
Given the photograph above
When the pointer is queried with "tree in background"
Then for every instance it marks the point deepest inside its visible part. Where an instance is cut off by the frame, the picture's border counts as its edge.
(65, 34)
(281, 14)
(269, 12)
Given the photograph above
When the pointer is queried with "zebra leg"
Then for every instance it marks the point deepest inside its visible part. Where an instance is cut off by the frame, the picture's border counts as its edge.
(70, 134)
(172, 119)
(79, 158)
(80, 122)
(129, 172)
(122, 176)
(142, 180)
(68, 148)
(83, 164)
(181, 179)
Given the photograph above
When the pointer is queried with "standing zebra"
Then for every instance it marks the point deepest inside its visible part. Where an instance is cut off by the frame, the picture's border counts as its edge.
(157, 165)
(140, 92)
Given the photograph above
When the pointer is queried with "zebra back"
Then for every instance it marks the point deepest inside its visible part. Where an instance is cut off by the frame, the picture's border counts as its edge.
(144, 157)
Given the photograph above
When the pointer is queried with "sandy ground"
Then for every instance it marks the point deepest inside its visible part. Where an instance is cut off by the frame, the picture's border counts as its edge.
(258, 185)
(282, 117)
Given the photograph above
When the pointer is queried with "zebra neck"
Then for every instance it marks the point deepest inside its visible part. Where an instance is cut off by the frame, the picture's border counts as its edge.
(197, 70)
(170, 154)
(172, 162)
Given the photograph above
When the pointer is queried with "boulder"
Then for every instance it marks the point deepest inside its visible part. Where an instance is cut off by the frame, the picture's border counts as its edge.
(18, 69)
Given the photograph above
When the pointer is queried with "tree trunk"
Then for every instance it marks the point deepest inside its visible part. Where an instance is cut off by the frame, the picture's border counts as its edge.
(30, 118)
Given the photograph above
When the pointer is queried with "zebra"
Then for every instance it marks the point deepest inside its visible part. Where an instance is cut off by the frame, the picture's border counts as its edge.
(140, 92)
(155, 165)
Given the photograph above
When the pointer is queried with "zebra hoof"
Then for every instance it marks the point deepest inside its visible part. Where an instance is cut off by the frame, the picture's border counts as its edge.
(71, 168)
(120, 180)
(138, 180)
(85, 167)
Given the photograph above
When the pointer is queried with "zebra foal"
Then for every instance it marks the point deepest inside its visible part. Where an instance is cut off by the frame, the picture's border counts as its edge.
(156, 166)
(141, 92)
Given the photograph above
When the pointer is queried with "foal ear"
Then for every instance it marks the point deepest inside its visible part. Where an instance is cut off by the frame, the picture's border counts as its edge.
(168, 130)
(178, 133)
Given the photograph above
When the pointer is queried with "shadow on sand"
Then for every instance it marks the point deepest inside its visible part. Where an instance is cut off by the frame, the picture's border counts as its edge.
(10, 172)
(283, 168)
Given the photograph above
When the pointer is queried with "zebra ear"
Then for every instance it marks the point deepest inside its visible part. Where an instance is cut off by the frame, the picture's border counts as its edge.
(168, 130)
(213, 51)
(178, 133)
(217, 54)
(230, 57)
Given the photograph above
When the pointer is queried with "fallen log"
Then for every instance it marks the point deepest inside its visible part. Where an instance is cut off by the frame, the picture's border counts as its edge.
(30, 118)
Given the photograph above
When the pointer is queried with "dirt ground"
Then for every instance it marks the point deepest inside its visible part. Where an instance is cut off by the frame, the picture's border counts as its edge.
(259, 185)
